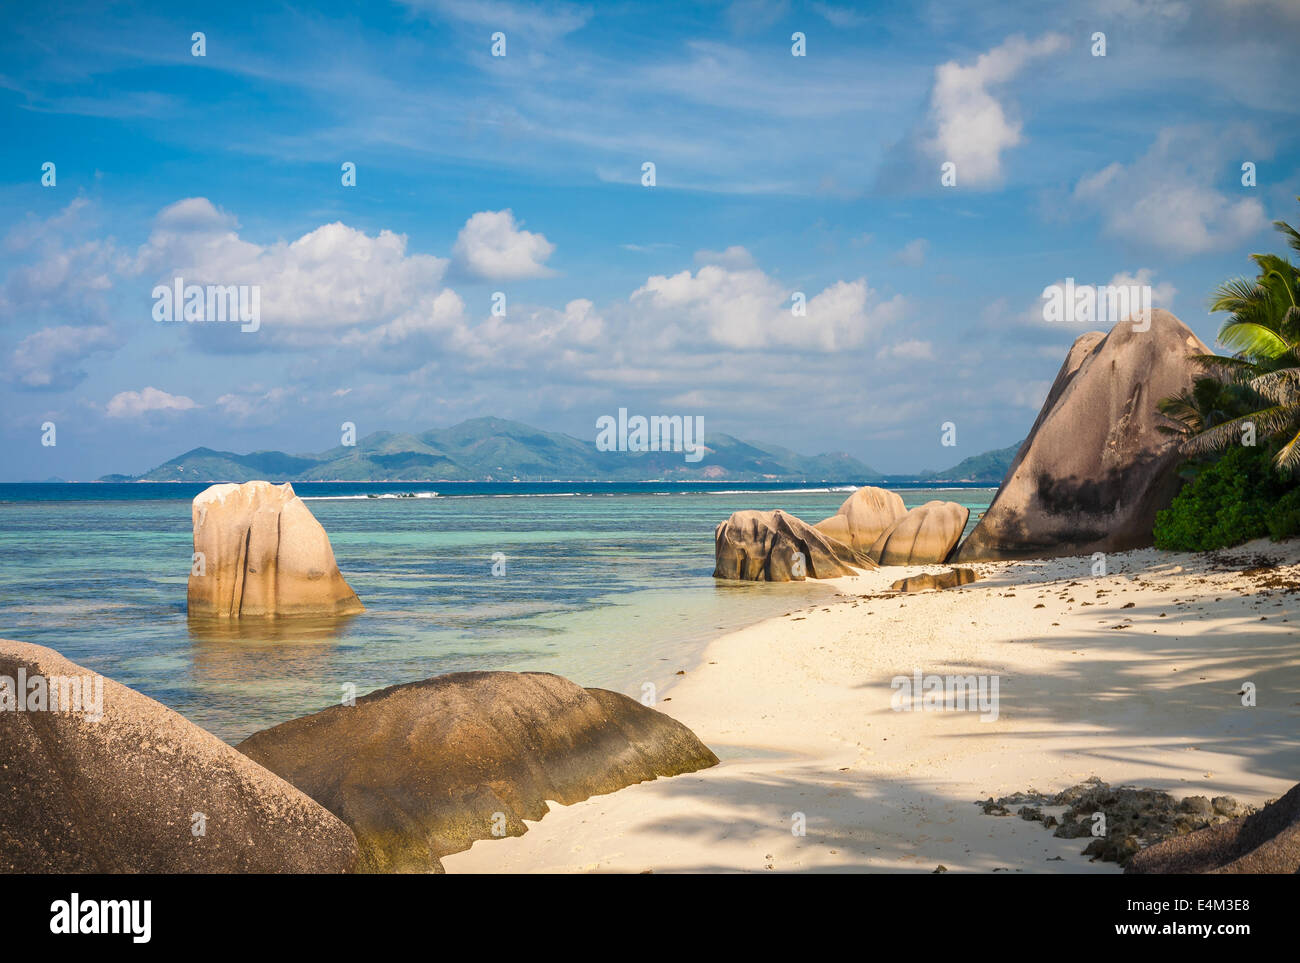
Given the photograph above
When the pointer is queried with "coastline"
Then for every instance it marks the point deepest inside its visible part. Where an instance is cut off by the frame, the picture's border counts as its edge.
(1137, 684)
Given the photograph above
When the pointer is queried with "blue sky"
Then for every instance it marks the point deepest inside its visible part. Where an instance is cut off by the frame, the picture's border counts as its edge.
(522, 174)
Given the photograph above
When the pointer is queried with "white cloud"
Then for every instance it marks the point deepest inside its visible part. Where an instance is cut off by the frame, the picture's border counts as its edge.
(1167, 199)
(745, 308)
(60, 275)
(531, 337)
(492, 246)
(910, 350)
(733, 257)
(912, 253)
(51, 357)
(248, 404)
(133, 404)
(440, 313)
(330, 278)
(1162, 296)
(970, 126)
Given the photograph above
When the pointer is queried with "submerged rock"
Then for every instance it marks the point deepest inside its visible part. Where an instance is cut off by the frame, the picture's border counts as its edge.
(425, 769)
(260, 551)
(863, 517)
(926, 535)
(1267, 841)
(1095, 469)
(944, 580)
(114, 782)
(778, 547)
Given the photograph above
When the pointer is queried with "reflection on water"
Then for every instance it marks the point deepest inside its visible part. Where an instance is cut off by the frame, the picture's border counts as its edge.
(248, 630)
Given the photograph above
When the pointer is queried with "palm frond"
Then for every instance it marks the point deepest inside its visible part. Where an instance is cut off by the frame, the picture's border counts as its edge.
(1253, 340)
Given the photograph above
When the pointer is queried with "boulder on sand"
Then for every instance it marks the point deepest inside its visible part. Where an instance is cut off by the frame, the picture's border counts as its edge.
(260, 551)
(1264, 842)
(924, 536)
(109, 781)
(863, 516)
(944, 580)
(759, 546)
(425, 769)
(1095, 469)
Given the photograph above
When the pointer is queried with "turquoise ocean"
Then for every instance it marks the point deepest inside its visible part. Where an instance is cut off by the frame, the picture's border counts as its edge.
(607, 584)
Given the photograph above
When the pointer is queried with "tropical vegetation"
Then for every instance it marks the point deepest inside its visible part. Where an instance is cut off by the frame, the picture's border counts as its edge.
(1239, 422)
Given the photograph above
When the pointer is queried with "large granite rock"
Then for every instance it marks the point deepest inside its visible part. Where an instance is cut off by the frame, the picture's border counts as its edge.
(1094, 470)
(120, 783)
(759, 546)
(1264, 842)
(924, 536)
(424, 769)
(863, 517)
(260, 551)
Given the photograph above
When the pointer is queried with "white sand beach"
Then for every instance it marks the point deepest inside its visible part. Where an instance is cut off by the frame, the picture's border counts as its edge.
(1132, 677)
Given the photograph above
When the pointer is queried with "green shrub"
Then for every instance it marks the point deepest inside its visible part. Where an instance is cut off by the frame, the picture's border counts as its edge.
(1230, 501)
(1284, 520)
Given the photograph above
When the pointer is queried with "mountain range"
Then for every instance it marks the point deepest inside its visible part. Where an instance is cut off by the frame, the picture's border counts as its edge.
(493, 449)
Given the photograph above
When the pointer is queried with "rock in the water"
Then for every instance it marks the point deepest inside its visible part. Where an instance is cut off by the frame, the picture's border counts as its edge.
(944, 580)
(260, 551)
(125, 785)
(425, 769)
(1264, 842)
(924, 536)
(1094, 470)
(778, 547)
(863, 516)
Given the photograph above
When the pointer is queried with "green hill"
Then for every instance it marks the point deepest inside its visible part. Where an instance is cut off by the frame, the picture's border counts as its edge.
(493, 449)
(990, 467)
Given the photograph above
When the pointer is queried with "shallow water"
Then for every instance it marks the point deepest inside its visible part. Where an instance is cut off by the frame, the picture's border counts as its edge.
(610, 589)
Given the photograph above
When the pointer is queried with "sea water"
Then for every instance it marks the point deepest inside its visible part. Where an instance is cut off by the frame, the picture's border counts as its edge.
(607, 584)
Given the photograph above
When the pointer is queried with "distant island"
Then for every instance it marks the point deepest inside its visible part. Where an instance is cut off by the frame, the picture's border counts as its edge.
(494, 449)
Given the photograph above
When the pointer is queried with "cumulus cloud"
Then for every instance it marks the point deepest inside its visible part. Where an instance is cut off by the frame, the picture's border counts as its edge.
(1167, 198)
(133, 404)
(51, 358)
(436, 314)
(331, 278)
(970, 126)
(1162, 296)
(492, 246)
(745, 308)
(537, 335)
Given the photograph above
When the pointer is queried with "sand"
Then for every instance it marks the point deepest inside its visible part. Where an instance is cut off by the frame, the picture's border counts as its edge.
(1133, 677)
